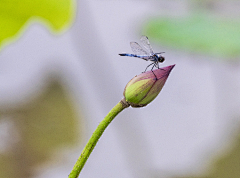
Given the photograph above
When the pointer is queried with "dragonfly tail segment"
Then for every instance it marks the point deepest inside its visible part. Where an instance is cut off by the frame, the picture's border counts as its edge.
(130, 55)
(144, 57)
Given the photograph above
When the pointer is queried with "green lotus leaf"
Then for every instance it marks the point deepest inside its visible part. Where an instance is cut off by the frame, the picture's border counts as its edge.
(203, 34)
(14, 15)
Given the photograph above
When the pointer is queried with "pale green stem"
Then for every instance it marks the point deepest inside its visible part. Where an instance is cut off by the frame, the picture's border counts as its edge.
(95, 137)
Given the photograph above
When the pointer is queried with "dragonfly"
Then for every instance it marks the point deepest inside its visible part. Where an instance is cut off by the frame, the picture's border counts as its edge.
(146, 53)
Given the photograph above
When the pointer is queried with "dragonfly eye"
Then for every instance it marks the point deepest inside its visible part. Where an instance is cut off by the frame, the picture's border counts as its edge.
(161, 59)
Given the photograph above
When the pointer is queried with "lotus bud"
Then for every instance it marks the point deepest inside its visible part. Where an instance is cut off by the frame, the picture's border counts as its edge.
(144, 88)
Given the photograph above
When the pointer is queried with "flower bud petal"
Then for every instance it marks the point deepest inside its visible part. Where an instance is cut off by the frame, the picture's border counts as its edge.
(144, 88)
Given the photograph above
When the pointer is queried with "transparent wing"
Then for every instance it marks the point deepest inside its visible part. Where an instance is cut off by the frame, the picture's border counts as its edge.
(146, 44)
(137, 49)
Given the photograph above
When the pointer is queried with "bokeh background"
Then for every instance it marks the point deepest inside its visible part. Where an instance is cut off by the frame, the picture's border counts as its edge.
(60, 74)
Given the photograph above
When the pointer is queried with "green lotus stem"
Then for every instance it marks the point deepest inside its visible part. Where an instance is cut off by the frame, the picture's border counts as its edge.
(95, 137)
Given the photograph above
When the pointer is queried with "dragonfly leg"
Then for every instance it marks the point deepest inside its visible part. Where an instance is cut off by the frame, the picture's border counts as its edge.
(153, 72)
(154, 75)
(153, 66)
(157, 66)
(148, 66)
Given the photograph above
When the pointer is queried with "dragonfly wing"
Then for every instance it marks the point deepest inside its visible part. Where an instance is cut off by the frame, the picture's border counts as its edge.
(137, 49)
(146, 44)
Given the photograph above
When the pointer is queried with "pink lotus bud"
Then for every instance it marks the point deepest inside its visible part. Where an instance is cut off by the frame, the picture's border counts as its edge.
(144, 88)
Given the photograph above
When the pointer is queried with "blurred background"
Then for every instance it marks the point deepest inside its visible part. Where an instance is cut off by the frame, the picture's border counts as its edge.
(60, 74)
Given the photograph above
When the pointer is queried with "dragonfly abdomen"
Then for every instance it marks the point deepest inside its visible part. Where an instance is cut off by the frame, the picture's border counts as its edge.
(131, 55)
(145, 57)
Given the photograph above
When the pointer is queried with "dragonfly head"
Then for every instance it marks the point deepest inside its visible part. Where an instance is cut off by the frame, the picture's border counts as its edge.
(160, 58)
